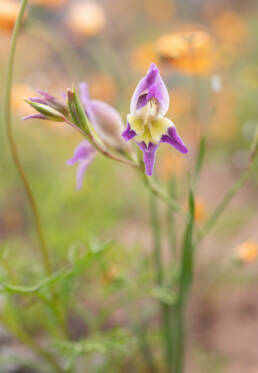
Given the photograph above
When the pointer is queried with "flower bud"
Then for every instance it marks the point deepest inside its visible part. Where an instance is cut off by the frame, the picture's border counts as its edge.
(106, 121)
(46, 111)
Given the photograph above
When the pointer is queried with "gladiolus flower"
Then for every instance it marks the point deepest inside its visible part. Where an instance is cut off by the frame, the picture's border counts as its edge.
(147, 123)
(248, 251)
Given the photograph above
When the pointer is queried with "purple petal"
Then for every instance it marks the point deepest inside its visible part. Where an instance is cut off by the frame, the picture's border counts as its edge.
(81, 171)
(84, 154)
(34, 116)
(83, 151)
(149, 156)
(128, 133)
(47, 99)
(84, 94)
(175, 140)
(47, 96)
(38, 100)
(151, 86)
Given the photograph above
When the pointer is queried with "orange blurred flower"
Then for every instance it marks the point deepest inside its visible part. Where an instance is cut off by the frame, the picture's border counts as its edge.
(248, 251)
(230, 28)
(143, 56)
(53, 4)
(171, 164)
(200, 212)
(8, 12)
(20, 92)
(191, 52)
(86, 18)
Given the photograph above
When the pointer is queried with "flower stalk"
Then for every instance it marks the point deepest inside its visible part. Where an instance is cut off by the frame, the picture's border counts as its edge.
(13, 148)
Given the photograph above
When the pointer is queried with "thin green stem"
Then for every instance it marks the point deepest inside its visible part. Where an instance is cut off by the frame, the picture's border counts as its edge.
(185, 281)
(157, 256)
(161, 195)
(15, 155)
(13, 148)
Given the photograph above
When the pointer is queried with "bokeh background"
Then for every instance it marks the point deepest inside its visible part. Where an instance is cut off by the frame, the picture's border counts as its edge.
(207, 52)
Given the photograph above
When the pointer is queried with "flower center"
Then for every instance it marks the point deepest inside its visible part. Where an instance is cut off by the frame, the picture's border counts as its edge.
(149, 111)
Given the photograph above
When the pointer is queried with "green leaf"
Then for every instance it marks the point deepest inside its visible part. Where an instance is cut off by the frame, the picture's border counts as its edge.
(116, 341)
(45, 283)
(187, 253)
(200, 158)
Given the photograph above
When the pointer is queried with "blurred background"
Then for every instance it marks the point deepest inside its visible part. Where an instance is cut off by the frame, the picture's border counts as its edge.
(207, 51)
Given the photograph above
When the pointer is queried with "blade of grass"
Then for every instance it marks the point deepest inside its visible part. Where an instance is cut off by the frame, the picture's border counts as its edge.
(157, 255)
(185, 280)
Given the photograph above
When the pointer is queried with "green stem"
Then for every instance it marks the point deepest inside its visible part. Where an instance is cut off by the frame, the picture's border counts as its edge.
(13, 148)
(185, 281)
(15, 156)
(157, 254)
(156, 191)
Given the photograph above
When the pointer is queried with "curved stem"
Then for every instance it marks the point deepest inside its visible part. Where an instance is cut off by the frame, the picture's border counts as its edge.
(100, 148)
(13, 148)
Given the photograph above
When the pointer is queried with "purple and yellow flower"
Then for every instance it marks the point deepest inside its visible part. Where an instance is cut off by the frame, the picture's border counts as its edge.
(147, 123)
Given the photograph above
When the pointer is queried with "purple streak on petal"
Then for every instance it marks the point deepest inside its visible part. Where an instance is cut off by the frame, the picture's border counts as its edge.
(34, 116)
(149, 156)
(128, 133)
(151, 86)
(175, 140)
(142, 101)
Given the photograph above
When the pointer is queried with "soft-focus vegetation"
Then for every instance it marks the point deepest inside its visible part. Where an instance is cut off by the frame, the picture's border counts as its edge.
(105, 306)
